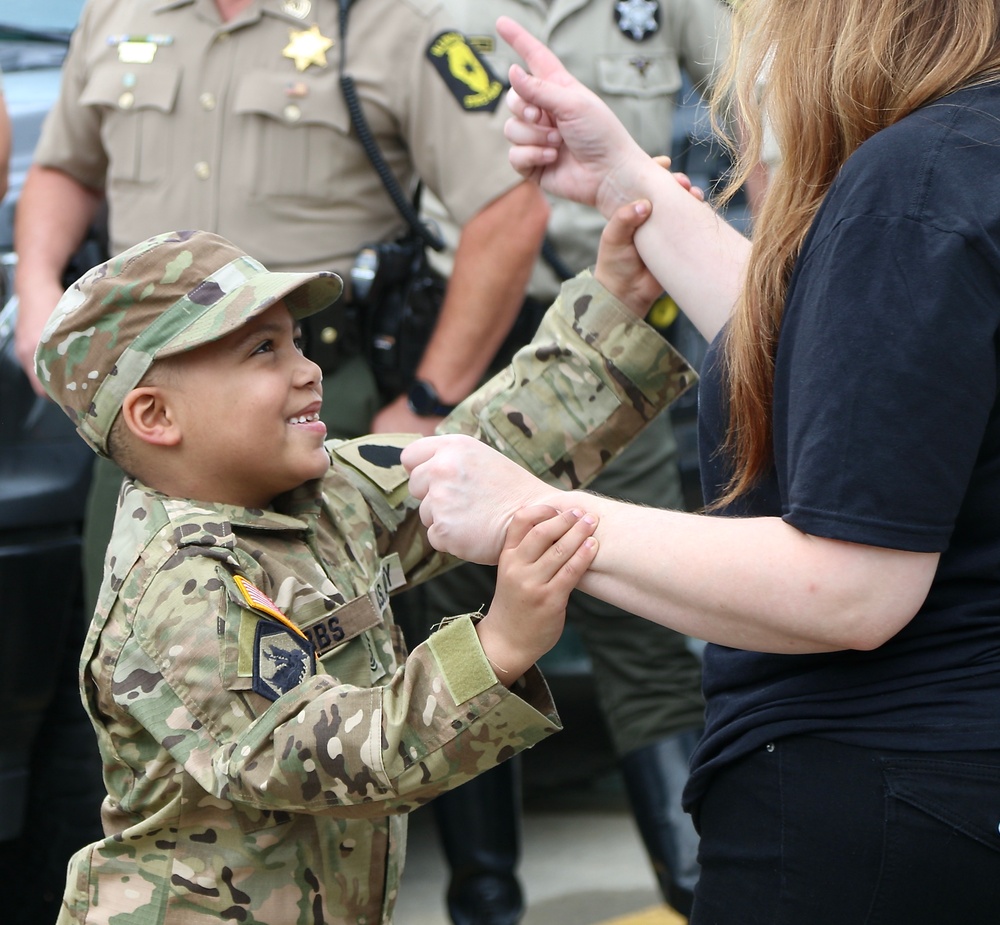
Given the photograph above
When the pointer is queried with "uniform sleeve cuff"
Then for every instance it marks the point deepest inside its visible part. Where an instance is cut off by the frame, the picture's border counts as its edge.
(460, 656)
(600, 318)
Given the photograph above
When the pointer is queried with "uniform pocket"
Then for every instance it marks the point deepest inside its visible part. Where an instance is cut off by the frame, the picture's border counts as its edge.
(136, 103)
(294, 126)
(642, 90)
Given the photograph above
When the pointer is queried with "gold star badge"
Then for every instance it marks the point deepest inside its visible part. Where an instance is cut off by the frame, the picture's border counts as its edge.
(307, 47)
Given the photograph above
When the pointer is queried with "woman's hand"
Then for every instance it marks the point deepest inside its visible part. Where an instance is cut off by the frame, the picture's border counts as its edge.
(564, 136)
(468, 494)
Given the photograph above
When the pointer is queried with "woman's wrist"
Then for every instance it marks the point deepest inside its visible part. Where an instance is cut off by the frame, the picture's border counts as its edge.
(634, 177)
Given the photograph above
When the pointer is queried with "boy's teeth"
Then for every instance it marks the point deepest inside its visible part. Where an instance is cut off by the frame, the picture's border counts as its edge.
(304, 418)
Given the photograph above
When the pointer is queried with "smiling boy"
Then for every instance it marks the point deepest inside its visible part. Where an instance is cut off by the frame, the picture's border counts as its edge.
(262, 728)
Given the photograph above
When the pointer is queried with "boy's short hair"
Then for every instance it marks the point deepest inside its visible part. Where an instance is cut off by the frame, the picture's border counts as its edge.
(169, 294)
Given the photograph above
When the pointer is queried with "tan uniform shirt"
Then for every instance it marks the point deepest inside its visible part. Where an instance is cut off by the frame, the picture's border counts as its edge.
(187, 122)
(629, 52)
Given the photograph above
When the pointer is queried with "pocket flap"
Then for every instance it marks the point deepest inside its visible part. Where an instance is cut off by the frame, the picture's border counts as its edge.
(307, 99)
(129, 86)
(638, 75)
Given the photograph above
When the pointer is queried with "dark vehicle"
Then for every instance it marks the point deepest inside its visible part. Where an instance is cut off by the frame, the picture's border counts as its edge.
(48, 762)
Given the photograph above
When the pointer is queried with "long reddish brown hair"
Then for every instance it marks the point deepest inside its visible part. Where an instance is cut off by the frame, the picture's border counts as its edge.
(829, 74)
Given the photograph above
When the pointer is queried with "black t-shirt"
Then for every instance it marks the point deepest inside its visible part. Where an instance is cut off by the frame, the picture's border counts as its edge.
(886, 432)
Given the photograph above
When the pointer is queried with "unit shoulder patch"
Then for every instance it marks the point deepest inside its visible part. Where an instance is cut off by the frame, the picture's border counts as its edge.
(281, 660)
(468, 76)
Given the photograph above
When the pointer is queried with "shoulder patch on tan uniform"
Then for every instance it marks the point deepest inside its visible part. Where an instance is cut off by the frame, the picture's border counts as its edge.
(468, 76)
(268, 653)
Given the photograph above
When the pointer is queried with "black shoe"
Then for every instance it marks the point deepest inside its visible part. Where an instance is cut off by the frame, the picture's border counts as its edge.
(480, 828)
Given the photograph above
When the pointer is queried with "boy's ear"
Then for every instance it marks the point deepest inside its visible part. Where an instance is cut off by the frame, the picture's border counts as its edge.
(148, 415)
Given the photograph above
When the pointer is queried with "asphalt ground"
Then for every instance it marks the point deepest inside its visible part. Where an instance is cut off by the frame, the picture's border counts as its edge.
(582, 864)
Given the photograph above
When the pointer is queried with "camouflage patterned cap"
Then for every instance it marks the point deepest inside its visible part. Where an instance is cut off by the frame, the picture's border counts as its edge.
(167, 295)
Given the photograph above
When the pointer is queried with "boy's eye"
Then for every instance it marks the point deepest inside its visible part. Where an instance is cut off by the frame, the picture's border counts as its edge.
(266, 346)
(299, 342)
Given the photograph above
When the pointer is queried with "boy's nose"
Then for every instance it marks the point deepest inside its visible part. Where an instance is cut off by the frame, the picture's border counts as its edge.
(309, 372)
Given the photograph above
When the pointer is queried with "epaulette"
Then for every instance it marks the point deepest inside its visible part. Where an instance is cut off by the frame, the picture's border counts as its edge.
(377, 458)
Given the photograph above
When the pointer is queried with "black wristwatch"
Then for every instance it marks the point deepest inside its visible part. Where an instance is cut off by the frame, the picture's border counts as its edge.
(424, 401)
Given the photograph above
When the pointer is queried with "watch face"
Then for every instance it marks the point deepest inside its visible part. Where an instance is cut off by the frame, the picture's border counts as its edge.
(424, 401)
(418, 398)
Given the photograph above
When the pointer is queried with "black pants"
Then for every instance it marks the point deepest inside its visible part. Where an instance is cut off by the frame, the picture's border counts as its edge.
(811, 832)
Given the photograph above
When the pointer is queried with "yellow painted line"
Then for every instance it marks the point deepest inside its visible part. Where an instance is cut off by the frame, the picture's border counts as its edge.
(657, 915)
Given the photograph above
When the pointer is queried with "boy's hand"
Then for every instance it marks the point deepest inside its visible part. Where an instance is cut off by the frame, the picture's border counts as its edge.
(619, 267)
(545, 554)
(682, 178)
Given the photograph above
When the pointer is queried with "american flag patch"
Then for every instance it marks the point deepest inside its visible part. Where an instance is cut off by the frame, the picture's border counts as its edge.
(258, 600)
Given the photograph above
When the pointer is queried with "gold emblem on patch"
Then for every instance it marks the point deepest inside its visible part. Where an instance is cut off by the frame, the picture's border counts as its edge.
(307, 47)
(468, 76)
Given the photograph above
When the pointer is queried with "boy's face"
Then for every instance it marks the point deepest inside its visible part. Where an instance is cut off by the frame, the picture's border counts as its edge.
(248, 409)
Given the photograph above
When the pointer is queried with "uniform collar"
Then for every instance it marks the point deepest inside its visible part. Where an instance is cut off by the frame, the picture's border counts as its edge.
(295, 12)
(209, 11)
(294, 511)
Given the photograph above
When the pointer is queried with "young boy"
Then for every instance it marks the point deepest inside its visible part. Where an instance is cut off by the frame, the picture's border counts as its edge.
(262, 729)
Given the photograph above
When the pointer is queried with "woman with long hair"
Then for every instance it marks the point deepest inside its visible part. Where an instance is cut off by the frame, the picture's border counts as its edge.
(846, 572)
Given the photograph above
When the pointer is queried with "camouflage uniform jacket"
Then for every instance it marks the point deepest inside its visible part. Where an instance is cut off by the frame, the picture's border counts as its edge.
(258, 776)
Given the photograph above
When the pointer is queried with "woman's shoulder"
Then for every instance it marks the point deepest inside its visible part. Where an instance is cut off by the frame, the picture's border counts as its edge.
(936, 165)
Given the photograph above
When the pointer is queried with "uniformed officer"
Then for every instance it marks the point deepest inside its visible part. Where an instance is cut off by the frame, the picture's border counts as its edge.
(228, 115)
(648, 682)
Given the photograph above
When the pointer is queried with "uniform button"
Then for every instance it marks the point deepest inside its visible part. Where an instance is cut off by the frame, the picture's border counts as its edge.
(222, 37)
(769, 746)
(126, 100)
(207, 101)
(202, 171)
(293, 113)
(328, 335)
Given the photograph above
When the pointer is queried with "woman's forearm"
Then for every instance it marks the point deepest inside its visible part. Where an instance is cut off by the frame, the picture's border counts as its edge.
(698, 257)
(755, 583)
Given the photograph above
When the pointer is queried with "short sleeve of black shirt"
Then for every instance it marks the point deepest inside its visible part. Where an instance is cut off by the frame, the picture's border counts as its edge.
(886, 380)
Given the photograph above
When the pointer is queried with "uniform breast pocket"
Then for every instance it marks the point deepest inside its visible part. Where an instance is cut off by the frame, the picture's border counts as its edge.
(136, 103)
(293, 126)
(642, 90)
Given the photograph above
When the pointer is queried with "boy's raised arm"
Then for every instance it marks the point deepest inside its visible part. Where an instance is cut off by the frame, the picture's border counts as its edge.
(592, 379)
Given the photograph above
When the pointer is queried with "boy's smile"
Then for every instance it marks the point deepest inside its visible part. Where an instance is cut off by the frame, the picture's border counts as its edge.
(248, 410)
